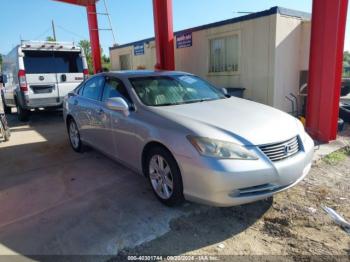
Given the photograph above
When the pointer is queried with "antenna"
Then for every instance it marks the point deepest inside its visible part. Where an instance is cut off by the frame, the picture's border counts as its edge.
(54, 31)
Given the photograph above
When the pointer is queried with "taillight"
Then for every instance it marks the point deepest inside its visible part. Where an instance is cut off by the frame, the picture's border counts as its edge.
(86, 74)
(22, 80)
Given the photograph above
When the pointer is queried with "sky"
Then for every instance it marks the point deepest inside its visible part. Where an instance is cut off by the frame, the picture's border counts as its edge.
(132, 20)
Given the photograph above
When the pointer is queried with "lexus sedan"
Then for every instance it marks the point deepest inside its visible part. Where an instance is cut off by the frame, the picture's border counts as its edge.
(188, 138)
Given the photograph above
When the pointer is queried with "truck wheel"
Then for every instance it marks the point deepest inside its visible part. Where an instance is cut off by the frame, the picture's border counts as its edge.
(23, 114)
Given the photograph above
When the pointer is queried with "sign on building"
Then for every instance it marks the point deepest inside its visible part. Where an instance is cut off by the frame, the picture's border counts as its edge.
(139, 49)
(183, 41)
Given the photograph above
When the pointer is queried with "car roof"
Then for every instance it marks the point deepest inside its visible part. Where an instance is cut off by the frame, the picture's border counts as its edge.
(144, 73)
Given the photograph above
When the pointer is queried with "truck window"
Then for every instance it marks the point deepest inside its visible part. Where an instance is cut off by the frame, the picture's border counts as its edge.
(46, 62)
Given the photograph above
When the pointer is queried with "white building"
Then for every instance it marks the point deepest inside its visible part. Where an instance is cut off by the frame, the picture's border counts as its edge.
(266, 53)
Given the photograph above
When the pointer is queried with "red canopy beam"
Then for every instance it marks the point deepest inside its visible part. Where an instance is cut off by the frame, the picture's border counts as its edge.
(163, 27)
(93, 30)
(325, 70)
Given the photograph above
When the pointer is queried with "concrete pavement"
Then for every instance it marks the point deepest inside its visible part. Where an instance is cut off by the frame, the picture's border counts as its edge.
(55, 201)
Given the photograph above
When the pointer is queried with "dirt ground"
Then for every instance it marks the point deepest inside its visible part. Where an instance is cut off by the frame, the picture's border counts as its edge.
(293, 223)
(72, 204)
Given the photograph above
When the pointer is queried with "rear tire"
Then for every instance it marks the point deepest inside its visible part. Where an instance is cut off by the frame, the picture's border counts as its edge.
(164, 176)
(74, 136)
(23, 114)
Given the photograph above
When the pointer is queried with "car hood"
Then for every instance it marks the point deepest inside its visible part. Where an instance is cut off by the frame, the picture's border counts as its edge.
(237, 119)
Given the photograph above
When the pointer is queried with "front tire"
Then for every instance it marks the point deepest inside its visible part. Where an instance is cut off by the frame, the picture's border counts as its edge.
(164, 176)
(74, 136)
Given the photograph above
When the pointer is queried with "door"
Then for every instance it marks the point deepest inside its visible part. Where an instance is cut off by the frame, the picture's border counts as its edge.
(119, 132)
(69, 69)
(125, 63)
(41, 77)
(88, 105)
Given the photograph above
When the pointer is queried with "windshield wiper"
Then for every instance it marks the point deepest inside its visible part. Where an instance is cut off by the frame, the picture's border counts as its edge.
(171, 104)
(201, 100)
(189, 102)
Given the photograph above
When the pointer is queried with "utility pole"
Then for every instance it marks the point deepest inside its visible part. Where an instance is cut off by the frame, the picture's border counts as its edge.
(54, 31)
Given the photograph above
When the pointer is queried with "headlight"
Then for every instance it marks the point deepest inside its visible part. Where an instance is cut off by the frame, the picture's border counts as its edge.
(221, 149)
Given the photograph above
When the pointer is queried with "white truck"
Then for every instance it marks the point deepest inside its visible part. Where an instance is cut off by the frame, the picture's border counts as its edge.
(39, 75)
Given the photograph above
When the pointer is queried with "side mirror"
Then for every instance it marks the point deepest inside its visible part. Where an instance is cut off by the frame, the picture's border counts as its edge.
(224, 90)
(118, 104)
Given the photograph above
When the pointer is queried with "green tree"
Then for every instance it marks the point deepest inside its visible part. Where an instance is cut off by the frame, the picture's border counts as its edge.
(50, 39)
(346, 63)
(106, 62)
(85, 45)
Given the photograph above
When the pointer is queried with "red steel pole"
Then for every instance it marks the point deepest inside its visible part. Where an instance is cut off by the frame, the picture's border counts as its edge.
(163, 27)
(325, 69)
(94, 37)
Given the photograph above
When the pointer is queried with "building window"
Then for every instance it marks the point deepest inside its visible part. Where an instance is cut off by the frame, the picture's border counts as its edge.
(224, 54)
(124, 61)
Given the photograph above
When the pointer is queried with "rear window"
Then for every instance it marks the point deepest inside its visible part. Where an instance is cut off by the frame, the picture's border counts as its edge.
(45, 62)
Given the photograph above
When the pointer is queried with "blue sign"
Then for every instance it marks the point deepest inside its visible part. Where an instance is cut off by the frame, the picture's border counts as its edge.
(139, 49)
(183, 41)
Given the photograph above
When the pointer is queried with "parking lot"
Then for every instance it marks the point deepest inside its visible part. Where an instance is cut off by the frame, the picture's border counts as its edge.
(55, 201)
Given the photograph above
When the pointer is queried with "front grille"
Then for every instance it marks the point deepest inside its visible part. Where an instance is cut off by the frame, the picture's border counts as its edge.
(279, 151)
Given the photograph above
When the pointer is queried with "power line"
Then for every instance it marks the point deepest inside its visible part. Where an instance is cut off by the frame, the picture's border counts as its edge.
(71, 32)
(42, 34)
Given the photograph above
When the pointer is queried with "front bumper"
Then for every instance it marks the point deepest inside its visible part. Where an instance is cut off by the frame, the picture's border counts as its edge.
(225, 183)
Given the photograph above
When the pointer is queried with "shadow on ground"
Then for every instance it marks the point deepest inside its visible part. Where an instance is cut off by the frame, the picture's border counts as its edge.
(201, 229)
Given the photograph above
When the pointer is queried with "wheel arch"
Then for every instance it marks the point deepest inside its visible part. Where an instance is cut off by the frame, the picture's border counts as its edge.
(147, 148)
(68, 118)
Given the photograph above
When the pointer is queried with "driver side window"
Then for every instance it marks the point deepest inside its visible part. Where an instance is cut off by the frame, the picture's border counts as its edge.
(93, 88)
(115, 88)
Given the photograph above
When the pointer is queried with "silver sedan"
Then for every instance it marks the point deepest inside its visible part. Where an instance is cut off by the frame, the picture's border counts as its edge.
(188, 138)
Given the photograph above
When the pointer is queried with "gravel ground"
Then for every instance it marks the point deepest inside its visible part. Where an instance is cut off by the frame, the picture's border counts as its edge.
(291, 224)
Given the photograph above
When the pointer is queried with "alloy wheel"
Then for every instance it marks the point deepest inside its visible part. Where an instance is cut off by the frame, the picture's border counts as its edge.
(74, 134)
(161, 177)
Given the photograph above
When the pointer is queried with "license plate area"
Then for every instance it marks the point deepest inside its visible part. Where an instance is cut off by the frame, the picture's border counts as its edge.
(45, 89)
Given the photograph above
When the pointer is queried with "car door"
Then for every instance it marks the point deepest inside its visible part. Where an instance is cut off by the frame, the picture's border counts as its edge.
(69, 66)
(40, 68)
(119, 134)
(89, 105)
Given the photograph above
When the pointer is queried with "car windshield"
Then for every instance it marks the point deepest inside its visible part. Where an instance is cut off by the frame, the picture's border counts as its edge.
(174, 90)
